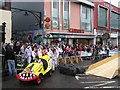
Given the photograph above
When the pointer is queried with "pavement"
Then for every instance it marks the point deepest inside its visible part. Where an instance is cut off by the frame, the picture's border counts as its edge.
(58, 80)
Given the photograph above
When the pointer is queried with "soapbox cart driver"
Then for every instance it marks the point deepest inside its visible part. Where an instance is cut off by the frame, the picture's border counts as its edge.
(35, 70)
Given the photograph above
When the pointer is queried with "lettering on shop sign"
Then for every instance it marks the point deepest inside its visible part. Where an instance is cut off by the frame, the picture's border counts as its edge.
(76, 30)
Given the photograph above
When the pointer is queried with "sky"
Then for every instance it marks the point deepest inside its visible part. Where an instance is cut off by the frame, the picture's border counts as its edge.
(114, 2)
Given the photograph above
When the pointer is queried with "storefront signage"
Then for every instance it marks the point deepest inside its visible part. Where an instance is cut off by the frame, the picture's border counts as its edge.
(76, 30)
(58, 36)
(114, 35)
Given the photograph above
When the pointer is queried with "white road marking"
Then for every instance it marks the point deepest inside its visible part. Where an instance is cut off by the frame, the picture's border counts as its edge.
(102, 83)
(107, 82)
(77, 77)
(98, 82)
(82, 74)
(103, 87)
(81, 77)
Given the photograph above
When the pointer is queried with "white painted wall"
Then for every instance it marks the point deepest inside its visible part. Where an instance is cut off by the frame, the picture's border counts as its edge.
(5, 16)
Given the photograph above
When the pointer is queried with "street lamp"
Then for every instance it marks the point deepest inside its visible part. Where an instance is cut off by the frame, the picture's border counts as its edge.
(110, 22)
(3, 31)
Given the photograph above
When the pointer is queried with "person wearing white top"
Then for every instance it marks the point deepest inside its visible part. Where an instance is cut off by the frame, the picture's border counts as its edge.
(28, 52)
(39, 51)
(54, 59)
(34, 53)
(50, 52)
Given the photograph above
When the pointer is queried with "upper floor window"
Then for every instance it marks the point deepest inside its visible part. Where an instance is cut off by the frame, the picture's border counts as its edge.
(114, 20)
(2, 4)
(102, 18)
(86, 18)
(55, 14)
(66, 15)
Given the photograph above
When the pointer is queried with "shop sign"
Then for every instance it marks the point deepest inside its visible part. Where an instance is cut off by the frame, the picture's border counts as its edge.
(114, 35)
(76, 30)
(58, 36)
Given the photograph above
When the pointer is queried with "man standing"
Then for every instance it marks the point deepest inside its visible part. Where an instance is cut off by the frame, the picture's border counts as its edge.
(10, 57)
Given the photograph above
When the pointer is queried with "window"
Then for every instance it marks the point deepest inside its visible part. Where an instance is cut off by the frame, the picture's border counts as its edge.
(114, 20)
(102, 18)
(3, 4)
(66, 15)
(86, 17)
(55, 17)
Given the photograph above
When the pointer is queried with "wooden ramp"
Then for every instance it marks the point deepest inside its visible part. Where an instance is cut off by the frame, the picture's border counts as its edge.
(108, 68)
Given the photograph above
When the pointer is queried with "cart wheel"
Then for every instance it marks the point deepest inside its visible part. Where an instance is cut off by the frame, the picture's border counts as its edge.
(50, 73)
(38, 80)
(41, 76)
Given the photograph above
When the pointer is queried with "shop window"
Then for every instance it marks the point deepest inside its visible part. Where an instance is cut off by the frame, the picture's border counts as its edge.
(55, 16)
(114, 20)
(86, 16)
(66, 15)
(102, 18)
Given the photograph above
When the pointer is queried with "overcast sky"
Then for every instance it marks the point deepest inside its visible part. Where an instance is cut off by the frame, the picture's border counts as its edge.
(114, 2)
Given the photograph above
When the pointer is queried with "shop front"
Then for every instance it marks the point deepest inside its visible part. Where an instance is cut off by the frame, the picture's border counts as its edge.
(69, 38)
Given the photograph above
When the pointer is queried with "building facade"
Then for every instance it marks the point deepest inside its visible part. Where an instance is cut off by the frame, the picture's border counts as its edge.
(106, 23)
(5, 21)
(71, 22)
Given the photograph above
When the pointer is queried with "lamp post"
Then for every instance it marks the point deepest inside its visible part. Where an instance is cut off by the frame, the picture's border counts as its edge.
(3, 32)
(110, 22)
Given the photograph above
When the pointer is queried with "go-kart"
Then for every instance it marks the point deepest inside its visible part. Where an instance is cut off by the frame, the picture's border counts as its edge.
(35, 70)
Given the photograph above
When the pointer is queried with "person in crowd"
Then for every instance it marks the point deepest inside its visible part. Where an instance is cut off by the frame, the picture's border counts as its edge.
(34, 53)
(3, 48)
(10, 57)
(17, 48)
(107, 50)
(54, 59)
(37, 59)
(28, 52)
(60, 51)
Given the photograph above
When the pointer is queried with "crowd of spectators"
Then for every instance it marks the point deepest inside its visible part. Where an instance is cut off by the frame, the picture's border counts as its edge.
(55, 50)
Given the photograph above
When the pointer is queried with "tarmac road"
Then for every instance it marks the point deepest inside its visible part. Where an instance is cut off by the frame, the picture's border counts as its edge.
(58, 80)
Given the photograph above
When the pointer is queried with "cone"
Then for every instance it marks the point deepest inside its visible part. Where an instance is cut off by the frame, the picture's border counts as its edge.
(108, 68)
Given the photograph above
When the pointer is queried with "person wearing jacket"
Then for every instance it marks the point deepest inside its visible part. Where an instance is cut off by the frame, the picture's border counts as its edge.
(10, 57)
